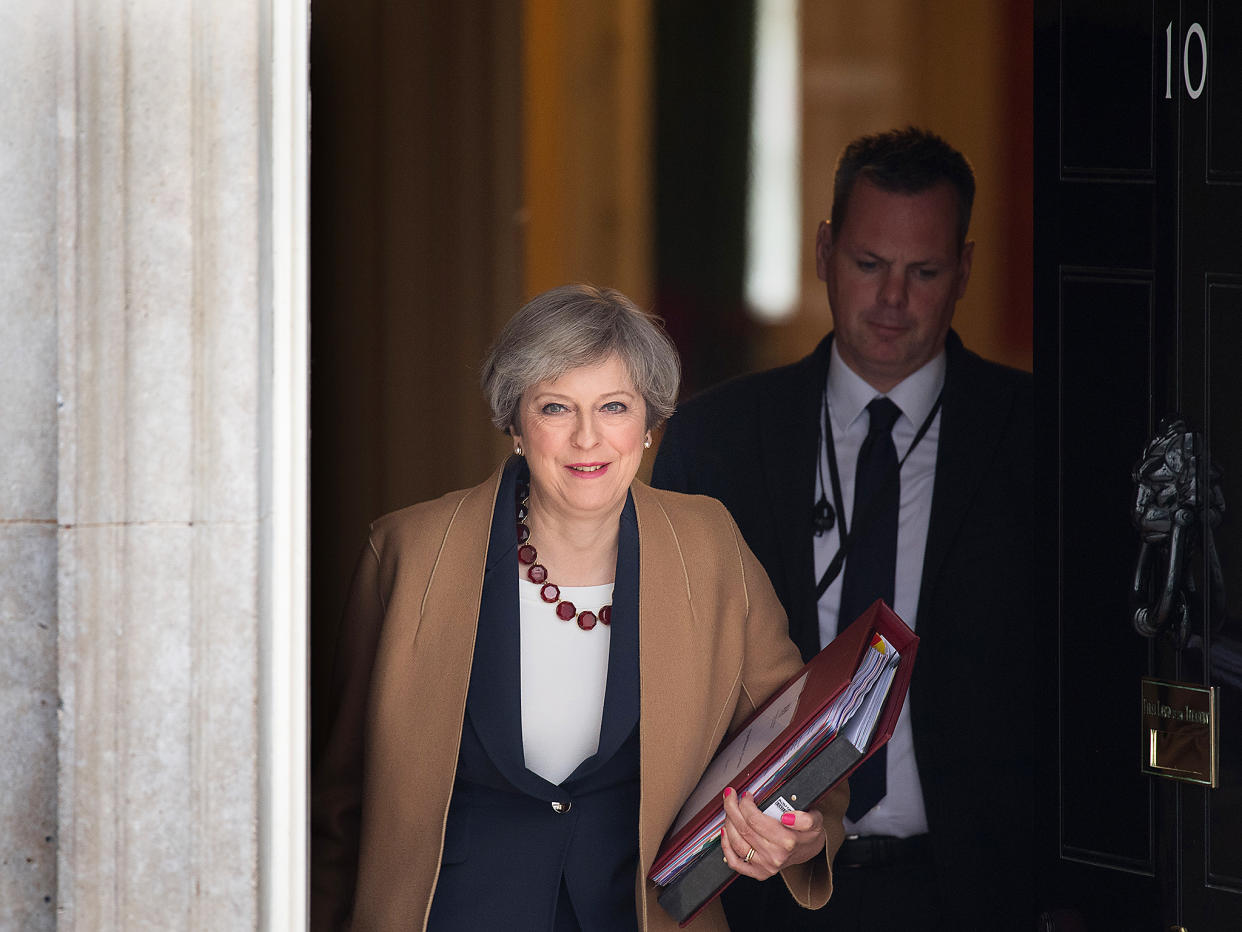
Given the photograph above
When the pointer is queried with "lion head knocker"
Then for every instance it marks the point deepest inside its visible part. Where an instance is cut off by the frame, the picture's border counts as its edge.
(1168, 506)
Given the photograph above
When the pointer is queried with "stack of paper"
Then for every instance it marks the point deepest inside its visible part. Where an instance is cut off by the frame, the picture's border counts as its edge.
(838, 710)
(858, 707)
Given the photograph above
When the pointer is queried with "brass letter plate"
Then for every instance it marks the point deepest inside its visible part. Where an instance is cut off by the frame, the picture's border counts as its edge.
(1181, 730)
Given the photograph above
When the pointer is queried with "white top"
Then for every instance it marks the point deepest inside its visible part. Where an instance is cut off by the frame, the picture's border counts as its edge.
(564, 672)
(901, 812)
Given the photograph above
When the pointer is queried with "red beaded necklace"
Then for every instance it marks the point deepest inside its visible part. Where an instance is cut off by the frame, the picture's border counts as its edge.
(537, 573)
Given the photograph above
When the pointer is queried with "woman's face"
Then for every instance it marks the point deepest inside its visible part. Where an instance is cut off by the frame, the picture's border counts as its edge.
(582, 436)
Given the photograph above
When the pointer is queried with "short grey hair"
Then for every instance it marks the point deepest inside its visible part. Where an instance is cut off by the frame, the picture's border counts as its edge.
(572, 326)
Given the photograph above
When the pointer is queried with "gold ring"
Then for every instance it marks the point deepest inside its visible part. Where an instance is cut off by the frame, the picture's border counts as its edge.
(749, 854)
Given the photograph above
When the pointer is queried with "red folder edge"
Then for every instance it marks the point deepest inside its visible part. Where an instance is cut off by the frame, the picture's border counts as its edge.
(832, 668)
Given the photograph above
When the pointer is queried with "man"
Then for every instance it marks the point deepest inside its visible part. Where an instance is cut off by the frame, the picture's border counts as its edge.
(936, 511)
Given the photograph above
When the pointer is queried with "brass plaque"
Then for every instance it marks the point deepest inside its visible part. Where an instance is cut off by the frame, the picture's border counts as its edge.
(1181, 730)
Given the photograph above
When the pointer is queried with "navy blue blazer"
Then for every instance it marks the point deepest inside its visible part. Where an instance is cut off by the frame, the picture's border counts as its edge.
(509, 854)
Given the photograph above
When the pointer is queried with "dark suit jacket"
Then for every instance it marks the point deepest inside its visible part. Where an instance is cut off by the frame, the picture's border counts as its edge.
(751, 443)
(499, 808)
(422, 795)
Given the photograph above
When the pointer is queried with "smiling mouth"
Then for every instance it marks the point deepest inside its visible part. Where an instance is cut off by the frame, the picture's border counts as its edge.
(594, 467)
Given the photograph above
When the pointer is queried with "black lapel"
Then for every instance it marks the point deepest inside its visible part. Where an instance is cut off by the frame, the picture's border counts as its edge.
(621, 692)
(494, 702)
(789, 427)
(974, 405)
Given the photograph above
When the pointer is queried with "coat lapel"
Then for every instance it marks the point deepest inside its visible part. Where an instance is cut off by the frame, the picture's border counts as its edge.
(964, 453)
(788, 423)
(495, 698)
(669, 631)
(621, 691)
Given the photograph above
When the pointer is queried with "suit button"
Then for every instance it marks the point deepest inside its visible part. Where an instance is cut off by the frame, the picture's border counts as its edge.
(561, 808)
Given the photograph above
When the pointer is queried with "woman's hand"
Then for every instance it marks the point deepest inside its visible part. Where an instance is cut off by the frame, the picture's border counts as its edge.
(772, 844)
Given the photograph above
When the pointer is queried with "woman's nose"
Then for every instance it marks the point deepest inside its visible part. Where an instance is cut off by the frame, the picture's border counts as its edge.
(584, 432)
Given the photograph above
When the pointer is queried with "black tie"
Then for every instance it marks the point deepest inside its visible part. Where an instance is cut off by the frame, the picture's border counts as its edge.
(871, 567)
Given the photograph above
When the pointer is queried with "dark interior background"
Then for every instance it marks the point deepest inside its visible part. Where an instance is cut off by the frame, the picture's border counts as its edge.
(465, 156)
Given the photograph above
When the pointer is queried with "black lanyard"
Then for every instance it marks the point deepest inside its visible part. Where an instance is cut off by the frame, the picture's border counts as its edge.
(846, 538)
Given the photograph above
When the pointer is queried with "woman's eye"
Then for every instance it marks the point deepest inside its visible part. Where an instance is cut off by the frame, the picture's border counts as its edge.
(553, 407)
(926, 275)
(615, 407)
(866, 265)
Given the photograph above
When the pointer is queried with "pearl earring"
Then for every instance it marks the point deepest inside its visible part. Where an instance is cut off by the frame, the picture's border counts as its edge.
(647, 442)
(518, 449)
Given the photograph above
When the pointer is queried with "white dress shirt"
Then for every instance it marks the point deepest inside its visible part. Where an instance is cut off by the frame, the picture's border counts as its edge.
(901, 812)
(564, 672)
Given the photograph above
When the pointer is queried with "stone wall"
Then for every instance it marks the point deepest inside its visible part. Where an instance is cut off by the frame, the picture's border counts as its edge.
(28, 465)
(152, 486)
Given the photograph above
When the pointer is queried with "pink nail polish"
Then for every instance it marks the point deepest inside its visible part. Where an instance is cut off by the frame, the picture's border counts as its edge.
(746, 795)
(728, 791)
(788, 818)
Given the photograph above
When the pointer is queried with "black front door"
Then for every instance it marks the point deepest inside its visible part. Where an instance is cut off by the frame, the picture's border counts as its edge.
(1138, 304)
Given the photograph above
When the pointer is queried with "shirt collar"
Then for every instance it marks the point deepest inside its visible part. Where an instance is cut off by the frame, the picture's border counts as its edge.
(849, 394)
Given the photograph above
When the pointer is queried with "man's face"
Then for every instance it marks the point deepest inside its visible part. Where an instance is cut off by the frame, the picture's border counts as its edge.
(894, 274)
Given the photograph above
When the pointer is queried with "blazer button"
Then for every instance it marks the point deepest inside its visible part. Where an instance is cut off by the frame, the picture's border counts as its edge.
(561, 808)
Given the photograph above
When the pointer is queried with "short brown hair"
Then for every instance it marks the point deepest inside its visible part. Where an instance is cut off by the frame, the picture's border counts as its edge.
(906, 161)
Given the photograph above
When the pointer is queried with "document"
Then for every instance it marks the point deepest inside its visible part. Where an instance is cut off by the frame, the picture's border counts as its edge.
(748, 742)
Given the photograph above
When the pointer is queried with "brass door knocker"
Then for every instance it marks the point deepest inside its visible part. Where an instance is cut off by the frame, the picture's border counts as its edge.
(1168, 507)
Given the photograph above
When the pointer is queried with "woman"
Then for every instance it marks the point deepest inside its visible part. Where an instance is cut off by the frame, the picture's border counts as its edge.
(534, 673)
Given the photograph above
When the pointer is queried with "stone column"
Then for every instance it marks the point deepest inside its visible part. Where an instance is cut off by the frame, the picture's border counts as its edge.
(28, 264)
(152, 490)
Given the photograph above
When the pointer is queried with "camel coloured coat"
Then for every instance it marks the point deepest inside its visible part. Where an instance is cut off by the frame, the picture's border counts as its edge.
(712, 645)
